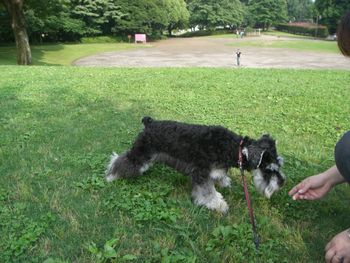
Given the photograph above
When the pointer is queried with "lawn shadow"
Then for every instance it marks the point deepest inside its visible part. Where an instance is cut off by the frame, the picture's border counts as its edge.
(8, 54)
(311, 218)
(56, 140)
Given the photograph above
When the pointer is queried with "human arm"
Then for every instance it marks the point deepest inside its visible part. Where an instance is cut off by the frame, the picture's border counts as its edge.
(317, 186)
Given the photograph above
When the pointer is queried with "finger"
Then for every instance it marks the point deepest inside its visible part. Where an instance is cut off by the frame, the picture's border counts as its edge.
(328, 246)
(337, 259)
(306, 196)
(300, 188)
(295, 189)
(329, 255)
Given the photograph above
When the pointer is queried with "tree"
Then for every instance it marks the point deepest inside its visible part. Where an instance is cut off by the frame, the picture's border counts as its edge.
(264, 13)
(143, 16)
(178, 15)
(211, 14)
(331, 12)
(18, 24)
(299, 10)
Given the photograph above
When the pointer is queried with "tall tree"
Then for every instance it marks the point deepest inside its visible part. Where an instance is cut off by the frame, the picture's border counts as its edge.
(331, 12)
(299, 10)
(178, 15)
(18, 24)
(264, 13)
(214, 13)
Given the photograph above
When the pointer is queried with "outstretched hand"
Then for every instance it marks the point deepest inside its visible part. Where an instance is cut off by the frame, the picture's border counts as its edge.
(317, 186)
(311, 188)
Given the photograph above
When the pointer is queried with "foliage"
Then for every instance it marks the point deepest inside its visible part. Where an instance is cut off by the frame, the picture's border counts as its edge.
(69, 20)
(330, 12)
(212, 14)
(178, 15)
(304, 29)
(58, 126)
(265, 13)
(201, 33)
(300, 10)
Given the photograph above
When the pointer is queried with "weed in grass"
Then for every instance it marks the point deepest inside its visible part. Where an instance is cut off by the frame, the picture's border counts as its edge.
(144, 200)
(21, 232)
(108, 253)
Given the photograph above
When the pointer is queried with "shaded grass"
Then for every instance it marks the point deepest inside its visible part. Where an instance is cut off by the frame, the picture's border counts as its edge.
(301, 45)
(61, 54)
(58, 126)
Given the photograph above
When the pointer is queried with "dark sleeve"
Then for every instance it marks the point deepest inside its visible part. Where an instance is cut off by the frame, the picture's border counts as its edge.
(342, 156)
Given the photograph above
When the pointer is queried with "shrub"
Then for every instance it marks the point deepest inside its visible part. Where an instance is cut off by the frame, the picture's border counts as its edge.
(307, 29)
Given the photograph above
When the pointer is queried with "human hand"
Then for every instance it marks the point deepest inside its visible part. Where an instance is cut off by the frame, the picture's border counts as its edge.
(311, 188)
(338, 249)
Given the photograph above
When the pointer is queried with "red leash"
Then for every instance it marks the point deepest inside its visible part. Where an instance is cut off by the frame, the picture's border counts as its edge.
(247, 198)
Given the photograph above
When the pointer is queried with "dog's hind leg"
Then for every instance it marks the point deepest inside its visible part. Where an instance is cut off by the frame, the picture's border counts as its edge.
(204, 193)
(126, 165)
(131, 163)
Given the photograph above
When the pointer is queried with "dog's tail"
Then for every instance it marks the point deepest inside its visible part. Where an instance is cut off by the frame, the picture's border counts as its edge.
(147, 120)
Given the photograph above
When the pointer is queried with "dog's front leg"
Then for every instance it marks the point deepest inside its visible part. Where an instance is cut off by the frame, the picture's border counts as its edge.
(205, 194)
(220, 175)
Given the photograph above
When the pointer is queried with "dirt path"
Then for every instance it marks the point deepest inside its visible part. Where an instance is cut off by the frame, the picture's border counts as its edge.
(214, 52)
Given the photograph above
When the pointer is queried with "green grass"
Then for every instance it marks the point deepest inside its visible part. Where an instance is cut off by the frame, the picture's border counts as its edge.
(61, 54)
(58, 126)
(301, 45)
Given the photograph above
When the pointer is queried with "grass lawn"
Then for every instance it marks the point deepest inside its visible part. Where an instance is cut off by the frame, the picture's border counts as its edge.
(301, 45)
(58, 126)
(61, 54)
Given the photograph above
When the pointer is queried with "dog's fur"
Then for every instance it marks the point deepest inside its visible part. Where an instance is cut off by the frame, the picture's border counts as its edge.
(205, 153)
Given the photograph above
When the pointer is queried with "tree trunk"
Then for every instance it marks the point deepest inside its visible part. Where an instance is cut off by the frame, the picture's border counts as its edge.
(15, 9)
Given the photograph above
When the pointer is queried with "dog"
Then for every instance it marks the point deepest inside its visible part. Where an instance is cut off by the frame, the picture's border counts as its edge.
(205, 153)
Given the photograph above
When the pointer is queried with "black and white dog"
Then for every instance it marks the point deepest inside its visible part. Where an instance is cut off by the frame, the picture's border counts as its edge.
(205, 153)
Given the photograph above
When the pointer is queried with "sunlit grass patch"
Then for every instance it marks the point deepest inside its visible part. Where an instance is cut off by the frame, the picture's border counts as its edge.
(300, 44)
(62, 54)
(59, 125)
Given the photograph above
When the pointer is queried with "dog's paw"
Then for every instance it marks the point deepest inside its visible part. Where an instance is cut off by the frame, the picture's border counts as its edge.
(218, 203)
(111, 178)
(222, 207)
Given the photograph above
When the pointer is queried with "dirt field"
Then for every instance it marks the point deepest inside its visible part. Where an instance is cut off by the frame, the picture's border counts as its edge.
(214, 52)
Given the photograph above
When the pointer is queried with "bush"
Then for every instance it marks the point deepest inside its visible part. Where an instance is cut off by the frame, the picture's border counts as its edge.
(307, 29)
(104, 39)
(201, 33)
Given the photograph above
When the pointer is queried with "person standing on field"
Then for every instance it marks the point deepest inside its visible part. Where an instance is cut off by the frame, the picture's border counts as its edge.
(238, 55)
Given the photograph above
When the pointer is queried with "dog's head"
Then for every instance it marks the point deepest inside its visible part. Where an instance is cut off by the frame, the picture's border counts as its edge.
(264, 163)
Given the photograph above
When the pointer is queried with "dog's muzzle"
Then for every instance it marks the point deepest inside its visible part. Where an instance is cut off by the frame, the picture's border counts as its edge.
(270, 179)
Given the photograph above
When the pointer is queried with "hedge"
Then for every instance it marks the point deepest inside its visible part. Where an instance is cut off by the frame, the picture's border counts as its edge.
(308, 30)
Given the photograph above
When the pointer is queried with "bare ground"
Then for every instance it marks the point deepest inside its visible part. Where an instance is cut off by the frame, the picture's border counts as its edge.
(214, 52)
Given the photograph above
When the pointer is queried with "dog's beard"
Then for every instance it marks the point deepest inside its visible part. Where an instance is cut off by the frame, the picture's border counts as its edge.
(265, 187)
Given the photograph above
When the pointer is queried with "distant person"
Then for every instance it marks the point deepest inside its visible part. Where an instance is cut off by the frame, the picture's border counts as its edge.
(238, 56)
(242, 33)
(317, 186)
(237, 33)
